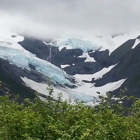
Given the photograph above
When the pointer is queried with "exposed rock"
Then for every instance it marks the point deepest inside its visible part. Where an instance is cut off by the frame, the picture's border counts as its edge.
(102, 57)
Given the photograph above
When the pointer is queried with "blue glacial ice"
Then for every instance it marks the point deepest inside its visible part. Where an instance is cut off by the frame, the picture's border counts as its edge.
(81, 97)
(76, 43)
(23, 58)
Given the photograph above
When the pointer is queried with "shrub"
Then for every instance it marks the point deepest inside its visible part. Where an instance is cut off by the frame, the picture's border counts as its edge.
(57, 120)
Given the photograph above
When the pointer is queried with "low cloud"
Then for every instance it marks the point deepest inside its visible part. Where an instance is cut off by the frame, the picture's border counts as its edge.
(57, 18)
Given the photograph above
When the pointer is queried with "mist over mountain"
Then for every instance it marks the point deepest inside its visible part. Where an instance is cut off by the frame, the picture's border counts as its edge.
(58, 18)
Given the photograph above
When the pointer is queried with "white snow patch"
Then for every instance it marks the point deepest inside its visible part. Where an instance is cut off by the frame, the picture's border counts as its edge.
(45, 43)
(90, 90)
(64, 66)
(100, 73)
(68, 47)
(88, 58)
(137, 41)
(97, 75)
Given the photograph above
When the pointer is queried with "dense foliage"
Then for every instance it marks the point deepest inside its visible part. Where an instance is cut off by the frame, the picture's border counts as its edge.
(53, 120)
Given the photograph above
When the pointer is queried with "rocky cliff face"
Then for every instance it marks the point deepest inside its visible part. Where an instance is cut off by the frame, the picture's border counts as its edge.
(128, 67)
(11, 82)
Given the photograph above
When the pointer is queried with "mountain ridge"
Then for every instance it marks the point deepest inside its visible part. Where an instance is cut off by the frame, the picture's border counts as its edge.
(74, 61)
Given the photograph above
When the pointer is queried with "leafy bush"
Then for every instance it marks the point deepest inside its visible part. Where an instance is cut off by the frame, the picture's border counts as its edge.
(56, 120)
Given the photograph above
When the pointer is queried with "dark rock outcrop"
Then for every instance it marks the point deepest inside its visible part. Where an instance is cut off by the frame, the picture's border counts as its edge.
(83, 68)
(11, 75)
(64, 57)
(101, 57)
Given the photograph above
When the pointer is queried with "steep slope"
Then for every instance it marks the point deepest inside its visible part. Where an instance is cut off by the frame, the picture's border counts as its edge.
(11, 83)
(128, 67)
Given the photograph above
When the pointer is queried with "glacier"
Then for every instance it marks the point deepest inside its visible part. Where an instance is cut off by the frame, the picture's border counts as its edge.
(75, 43)
(21, 59)
(10, 50)
(93, 43)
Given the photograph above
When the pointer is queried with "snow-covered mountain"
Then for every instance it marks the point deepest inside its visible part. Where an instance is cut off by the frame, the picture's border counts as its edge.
(94, 43)
(78, 68)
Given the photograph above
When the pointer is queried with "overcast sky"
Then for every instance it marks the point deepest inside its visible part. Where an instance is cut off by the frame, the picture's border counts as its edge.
(58, 18)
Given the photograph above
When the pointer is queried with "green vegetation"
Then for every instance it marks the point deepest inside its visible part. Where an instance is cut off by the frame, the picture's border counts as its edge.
(59, 120)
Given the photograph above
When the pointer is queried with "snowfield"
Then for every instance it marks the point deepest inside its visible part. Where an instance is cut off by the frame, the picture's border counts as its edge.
(85, 92)
(88, 58)
(97, 75)
(94, 43)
